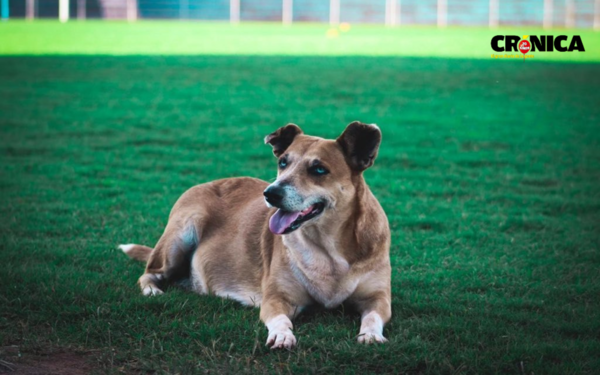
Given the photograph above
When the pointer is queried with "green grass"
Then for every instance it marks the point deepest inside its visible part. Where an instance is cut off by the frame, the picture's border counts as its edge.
(193, 38)
(489, 172)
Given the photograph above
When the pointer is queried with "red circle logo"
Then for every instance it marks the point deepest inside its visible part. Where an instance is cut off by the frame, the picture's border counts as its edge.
(524, 46)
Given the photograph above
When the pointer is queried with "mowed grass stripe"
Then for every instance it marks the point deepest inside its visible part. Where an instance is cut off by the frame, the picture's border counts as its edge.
(49, 37)
(488, 172)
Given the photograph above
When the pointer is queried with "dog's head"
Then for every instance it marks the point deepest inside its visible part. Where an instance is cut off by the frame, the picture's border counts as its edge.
(316, 176)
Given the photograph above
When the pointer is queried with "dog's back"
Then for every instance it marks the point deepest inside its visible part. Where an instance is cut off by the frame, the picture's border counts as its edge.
(220, 229)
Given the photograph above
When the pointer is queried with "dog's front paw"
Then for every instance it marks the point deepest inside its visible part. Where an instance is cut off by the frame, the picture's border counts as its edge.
(371, 338)
(371, 329)
(283, 339)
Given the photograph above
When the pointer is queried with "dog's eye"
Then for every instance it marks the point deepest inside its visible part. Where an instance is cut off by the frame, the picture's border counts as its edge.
(283, 163)
(318, 170)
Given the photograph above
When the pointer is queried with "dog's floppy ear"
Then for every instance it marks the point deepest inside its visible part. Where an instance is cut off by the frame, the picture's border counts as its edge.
(282, 138)
(360, 143)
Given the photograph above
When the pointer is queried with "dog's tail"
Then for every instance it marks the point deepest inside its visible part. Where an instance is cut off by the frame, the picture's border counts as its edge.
(137, 252)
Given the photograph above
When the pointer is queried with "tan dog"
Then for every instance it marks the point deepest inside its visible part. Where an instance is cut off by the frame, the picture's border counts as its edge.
(327, 242)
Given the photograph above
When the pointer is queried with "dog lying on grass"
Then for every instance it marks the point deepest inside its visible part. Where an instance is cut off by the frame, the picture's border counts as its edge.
(322, 236)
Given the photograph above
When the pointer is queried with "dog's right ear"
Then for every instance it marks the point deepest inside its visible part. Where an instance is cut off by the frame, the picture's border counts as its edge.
(282, 138)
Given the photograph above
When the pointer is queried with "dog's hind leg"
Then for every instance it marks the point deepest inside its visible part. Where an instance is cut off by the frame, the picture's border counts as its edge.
(170, 259)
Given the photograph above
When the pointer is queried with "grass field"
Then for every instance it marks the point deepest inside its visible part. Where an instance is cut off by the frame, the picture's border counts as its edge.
(489, 172)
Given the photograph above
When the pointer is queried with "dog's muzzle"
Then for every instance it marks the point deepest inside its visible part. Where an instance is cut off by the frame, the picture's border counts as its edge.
(292, 211)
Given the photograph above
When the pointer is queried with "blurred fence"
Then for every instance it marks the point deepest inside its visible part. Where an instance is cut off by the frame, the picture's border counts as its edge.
(549, 13)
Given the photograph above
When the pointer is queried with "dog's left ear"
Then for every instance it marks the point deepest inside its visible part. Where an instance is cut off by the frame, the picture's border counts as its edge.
(282, 138)
(360, 143)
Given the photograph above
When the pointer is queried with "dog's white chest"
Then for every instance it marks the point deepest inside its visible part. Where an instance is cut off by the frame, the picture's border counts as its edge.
(326, 277)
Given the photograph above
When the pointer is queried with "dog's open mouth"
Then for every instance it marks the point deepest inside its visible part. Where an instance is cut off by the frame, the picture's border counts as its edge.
(284, 222)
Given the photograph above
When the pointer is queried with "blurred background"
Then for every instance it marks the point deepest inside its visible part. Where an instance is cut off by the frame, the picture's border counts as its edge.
(489, 173)
(549, 13)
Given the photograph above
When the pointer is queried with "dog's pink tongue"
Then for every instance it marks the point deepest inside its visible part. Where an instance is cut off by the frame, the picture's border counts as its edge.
(281, 220)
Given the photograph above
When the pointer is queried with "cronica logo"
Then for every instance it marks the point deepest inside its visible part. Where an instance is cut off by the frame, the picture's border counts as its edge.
(542, 43)
(524, 45)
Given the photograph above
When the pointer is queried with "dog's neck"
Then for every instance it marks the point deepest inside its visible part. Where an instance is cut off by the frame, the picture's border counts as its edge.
(335, 237)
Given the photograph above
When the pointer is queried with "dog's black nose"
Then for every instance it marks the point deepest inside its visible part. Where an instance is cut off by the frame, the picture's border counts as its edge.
(273, 195)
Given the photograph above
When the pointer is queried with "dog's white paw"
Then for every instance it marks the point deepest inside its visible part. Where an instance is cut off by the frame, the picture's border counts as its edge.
(283, 339)
(371, 329)
(371, 338)
(151, 290)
